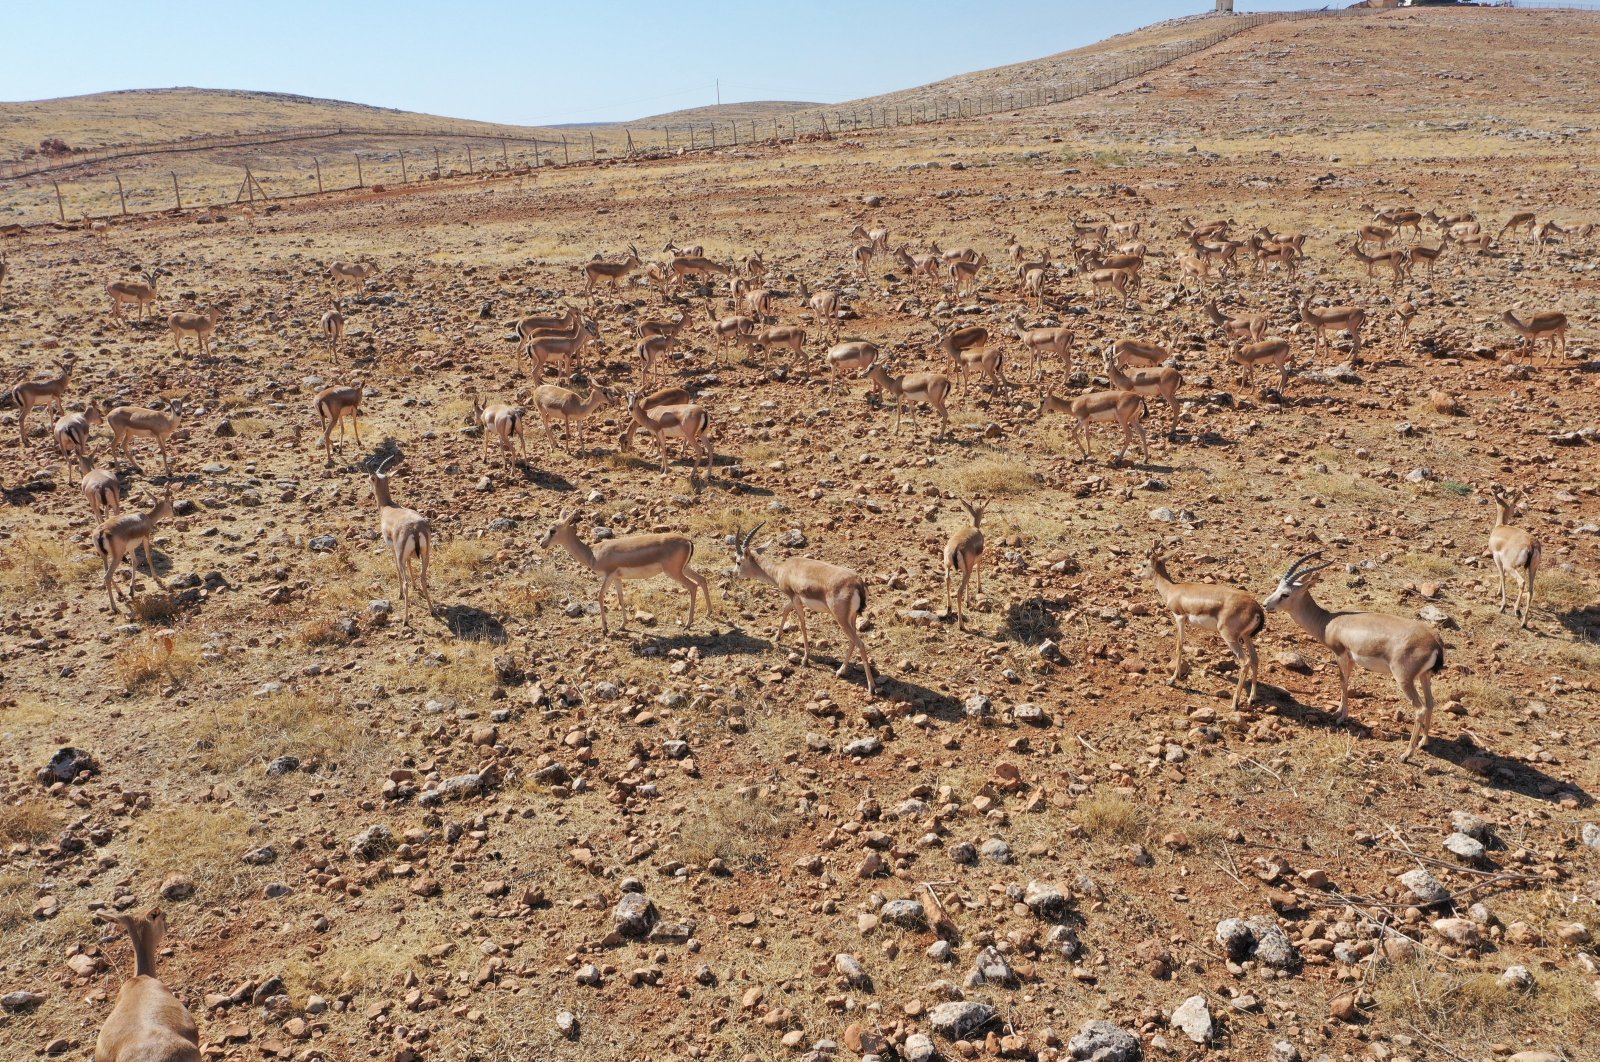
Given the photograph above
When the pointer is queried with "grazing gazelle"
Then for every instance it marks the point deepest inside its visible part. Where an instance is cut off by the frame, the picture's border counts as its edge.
(640, 556)
(127, 422)
(200, 325)
(554, 403)
(1514, 550)
(1275, 352)
(1161, 381)
(1550, 326)
(688, 422)
(1123, 408)
(1408, 650)
(666, 396)
(333, 326)
(148, 1023)
(29, 395)
(964, 553)
(1333, 319)
(122, 536)
(409, 536)
(919, 388)
(1042, 342)
(1251, 326)
(502, 421)
(1233, 614)
(352, 274)
(852, 356)
(135, 292)
(332, 405)
(72, 430)
(815, 585)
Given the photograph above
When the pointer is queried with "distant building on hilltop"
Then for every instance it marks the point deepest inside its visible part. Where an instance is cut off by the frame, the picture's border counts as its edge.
(1224, 7)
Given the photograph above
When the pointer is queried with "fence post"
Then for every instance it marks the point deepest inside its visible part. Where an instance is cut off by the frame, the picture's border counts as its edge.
(121, 196)
(505, 156)
(566, 155)
(176, 198)
(669, 138)
(629, 134)
(404, 177)
(713, 134)
(536, 162)
(593, 156)
(470, 168)
(61, 210)
(318, 164)
(360, 180)
(438, 167)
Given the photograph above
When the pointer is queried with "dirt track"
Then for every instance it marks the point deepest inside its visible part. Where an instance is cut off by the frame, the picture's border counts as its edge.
(1157, 810)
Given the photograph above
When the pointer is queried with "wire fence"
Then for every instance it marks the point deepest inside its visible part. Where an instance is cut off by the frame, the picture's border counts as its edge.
(449, 153)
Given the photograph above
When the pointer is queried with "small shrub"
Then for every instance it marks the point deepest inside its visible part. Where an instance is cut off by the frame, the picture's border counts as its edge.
(990, 476)
(1112, 819)
(153, 658)
(739, 829)
(28, 822)
(36, 564)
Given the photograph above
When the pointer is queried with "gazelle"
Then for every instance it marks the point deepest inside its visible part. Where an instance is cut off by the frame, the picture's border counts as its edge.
(100, 488)
(409, 536)
(862, 254)
(697, 266)
(352, 274)
(1123, 282)
(1123, 408)
(738, 328)
(1520, 222)
(1428, 256)
(1401, 220)
(597, 272)
(931, 389)
(1378, 234)
(673, 327)
(666, 396)
(542, 348)
(964, 553)
(332, 326)
(1480, 241)
(1033, 282)
(1396, 258)
(1042, 342)
(1235, 615)
(1275, 352)
(200, 325)
(148, 1023)
(854, 356)
(1130, 350)
(133, 292)
(1162, 381)
(128, 422)
(877, 237)
(1551, 326)
(964, 274)
(72, 430)
(554, 403)
(824, 306)
(1514, 550)
(1333, 319)
(688, 250)
(1238, 329)
(814, 585)
(502, 421)
(1408, 650)
(689, 422)
(122, 536)
(332, 405)
(641, 556)
(650, 350)
(1192, 266)
(755, 265)
(565, 323)
(967, 348)
(918, 264)
(788, 337)
(29, 395)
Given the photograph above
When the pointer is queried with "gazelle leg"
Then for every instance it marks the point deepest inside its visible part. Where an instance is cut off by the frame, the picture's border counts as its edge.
(1344, 689)
(1179, 668)
(605, 584)
(961, 595)
(149, 563)
(805, 632)
(1241, 658)
(1423, 708)
(424, 551)
(783, 614)
(1502, 570)
(683, 580)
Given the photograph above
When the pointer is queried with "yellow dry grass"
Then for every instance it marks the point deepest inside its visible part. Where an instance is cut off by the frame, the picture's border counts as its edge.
(314, 729)
(153, 658)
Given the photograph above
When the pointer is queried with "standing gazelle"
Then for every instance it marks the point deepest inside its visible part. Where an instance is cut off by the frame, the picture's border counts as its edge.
(148, 1023)
(128, 422)
(121, 537)
(815, 585)
(1123, 408)
(193, 323)
(1161, 381)
(640, 556)
(1514, 550)
(1233, 614)
(1408, 650)
(333, 326)
(352, 274)
(332, 405)
(1549, 326)
(409, 536)
(502, 421)
(136, 292)
(964, 553)
(100, 487)
(34, 394)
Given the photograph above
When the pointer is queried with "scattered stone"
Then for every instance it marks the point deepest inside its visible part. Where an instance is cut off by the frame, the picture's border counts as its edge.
(1283, 1051)
(996, 849)
(1457, 931)
(633, 915)
(373, 843)
(260, 857)
(567, 1024)
(907, 914)
(1101, 1041)
(1517, 978)
(282, 765)
(990, 967)
(1236, 939)
(1193, 1019)
(920, 1049)
(20, 1000)
(66, 765)
(1045, 901)
(1425, 887)
(959, 1020)
(866, 746)
(1468, 848)
(854, 974)
(177, 887)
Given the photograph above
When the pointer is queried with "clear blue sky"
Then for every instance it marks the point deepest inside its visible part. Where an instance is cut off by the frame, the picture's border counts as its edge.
(529, 63)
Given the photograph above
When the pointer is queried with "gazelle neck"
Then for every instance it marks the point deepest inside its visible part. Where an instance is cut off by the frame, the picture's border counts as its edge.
(578, 548)
(1310, 615)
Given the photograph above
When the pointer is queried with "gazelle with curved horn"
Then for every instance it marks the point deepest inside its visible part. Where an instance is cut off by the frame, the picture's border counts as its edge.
(409, 536)
(134, 292)
(1408, 650)
(640, 556)
(34, 394)
(1514, 550)
(597, 272)
(1235, 615)
(1162, 382)
(148, 1023)
(334, 405)
(815, 585)
(964, 553)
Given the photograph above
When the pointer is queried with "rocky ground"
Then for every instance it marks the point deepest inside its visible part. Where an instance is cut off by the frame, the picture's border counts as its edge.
(501, 834)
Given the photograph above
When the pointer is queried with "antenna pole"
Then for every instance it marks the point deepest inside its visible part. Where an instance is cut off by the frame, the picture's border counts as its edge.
(719, 92)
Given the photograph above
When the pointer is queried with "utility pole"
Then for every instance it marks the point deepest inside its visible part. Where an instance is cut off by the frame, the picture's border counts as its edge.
(719, 92)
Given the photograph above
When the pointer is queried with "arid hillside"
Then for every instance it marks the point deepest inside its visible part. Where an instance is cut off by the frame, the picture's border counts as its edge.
(502, 831)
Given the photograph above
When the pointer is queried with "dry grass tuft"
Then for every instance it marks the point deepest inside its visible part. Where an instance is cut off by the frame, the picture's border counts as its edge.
(37, 564)
(739, 829)
(201, 842)
(28, 821)
(1479, 694)
(463, 559)
(1469, 1006)
(255, 731)
(996, 475)
(321, 630)
(153, 658)
(154, 608)
(1112, 819)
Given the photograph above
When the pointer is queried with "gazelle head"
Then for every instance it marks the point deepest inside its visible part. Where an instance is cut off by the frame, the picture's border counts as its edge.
(746, 560)
(975, 509)
(1296, 581)
(1155, 564)
(566, 524)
